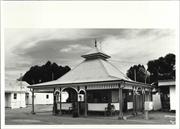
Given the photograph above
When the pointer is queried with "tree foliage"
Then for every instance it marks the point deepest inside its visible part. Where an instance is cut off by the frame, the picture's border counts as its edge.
(138, 73)
(162, 68)
(47, 72)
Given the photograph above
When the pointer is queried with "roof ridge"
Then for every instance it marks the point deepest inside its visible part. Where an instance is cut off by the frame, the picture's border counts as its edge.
(103, 66)
(62, 75)
(118, 70)
(100, 60)
(72, 69)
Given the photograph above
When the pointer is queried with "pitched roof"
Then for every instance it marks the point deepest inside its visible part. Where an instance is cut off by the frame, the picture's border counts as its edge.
(94, 68)
(166, 83)
(95, 53)
(16, 86)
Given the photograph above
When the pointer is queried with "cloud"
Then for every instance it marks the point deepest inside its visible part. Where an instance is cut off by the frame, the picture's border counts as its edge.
(53, 50)
(74, 47)
(141, 46)
(27, 47)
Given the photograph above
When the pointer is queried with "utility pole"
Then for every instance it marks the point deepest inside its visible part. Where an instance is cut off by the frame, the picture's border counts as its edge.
(145, 76)
(52, 76)
(21, 81)
(134, 74)
(20, 88)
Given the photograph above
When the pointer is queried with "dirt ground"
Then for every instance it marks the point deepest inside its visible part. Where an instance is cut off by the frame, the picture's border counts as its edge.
(44, 116)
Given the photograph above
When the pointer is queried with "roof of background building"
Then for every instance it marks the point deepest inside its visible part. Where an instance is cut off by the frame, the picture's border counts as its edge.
(166, 83)
(16, 86)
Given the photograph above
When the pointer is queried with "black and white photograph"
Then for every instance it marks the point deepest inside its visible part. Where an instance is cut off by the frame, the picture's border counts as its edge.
(86, 75)
(93, 74)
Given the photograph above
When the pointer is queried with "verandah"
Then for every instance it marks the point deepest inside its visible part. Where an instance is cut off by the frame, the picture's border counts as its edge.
(123, 96)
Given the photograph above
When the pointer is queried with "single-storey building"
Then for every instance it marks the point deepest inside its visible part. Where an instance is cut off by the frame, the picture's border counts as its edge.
(17, 95)
(168, 94)
(94, 84)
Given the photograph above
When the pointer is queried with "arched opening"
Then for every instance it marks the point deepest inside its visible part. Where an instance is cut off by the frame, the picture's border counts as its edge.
(69, 95)
(56, 102)
(57, 96)
(70, 101)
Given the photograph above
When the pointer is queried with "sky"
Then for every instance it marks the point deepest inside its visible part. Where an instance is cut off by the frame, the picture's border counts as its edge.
(127, 47)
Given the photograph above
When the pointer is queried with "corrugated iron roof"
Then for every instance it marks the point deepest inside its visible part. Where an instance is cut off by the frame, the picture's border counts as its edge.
(166, 83)
(16, 86)
(95, 53)
(95, 69)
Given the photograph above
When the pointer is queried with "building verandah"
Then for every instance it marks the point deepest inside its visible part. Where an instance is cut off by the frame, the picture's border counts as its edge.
(95, 97)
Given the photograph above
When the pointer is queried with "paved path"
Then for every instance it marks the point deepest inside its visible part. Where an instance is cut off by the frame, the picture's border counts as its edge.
(44, 116)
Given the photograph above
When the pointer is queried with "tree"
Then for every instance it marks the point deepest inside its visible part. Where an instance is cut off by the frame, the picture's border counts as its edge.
(47, 72)
(162, 68)
(138, 73)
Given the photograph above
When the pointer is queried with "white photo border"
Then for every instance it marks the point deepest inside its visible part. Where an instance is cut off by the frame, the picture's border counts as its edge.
(89, 14)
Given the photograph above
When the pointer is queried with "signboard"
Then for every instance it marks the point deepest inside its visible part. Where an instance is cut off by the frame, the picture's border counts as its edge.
(129, 105)
(148, 105)
(80, 97)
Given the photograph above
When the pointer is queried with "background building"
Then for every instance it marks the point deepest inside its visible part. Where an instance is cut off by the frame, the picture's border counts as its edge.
(168, 94)
(17, 95)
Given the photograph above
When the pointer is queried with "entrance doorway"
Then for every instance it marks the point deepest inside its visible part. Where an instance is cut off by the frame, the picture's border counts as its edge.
(81, 97)
(72, 99)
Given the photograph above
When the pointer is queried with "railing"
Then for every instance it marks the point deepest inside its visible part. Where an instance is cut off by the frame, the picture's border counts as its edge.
(66, 106)
(97, 106)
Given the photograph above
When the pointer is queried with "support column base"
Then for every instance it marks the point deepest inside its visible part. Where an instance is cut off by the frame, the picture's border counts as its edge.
(60, 113)
(120, 118)
(147, 115)
(134, 113)
(33, 113)
(143, 111)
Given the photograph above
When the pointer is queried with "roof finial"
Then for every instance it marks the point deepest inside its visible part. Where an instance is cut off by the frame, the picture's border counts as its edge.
(95, 43)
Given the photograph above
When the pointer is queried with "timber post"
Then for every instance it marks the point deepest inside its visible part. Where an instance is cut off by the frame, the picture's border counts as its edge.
(60, 106)
(120, 117)
(143, 99)
(85, 99)
(33, 102)
(54, 103)
(77, 101)
(134, 102)
(151, 94)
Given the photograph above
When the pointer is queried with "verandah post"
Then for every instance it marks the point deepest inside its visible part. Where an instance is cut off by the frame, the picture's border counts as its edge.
(134, 101)
(77, 102)
(143, 99)
(54, 103)
(120, 117)
(85, 99)
(33, 102)
(60, 112)
(151, 94)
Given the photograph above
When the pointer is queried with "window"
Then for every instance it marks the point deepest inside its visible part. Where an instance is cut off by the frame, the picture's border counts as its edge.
(15, 95)
(47, 96)
(100, 96)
